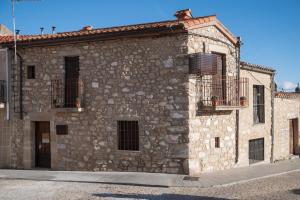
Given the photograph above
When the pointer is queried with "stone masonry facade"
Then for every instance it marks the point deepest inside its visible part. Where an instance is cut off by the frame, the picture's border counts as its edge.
(143, 78)
(123, 80)
(286, 109)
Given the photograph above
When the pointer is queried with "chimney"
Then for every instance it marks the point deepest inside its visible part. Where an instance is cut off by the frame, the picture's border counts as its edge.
(53, 29)
(297, 90)
(42, 30)
(184, 14)
(87, 28)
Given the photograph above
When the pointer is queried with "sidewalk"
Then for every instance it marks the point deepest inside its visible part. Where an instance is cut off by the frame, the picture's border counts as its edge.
(239, 175)
(157, 180)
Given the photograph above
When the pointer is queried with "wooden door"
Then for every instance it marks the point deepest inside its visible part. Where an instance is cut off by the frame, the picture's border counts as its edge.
(256, 150)
(294, 136)
(71, 81)
(42, 143)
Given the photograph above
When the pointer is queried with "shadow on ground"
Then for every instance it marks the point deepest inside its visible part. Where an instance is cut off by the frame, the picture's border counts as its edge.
(156, 197)
(296, 191)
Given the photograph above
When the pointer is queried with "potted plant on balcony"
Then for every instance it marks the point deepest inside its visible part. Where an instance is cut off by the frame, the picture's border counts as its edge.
(56, 103)
(243, 101)
(78, 103)
(215, 101)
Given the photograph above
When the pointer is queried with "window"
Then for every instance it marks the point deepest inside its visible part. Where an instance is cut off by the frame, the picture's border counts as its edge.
(128, 135)
(219, 81)
(71, 81)
(217, 142)
(31, 72)
(61, 129)
(258, 104)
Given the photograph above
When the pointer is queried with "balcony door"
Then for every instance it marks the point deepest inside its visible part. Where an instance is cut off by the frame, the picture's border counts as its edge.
(219, 81)
(71, 81)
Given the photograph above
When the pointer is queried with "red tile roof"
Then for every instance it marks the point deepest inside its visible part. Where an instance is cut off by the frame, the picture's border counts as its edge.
(169, 26)
(287, 95)
(249, 66)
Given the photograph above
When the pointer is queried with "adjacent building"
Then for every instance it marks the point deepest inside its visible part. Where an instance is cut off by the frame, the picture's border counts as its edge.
(170, 97)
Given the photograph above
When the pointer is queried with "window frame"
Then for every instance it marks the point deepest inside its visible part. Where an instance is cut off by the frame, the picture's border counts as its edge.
(128, 141)
(259, 104)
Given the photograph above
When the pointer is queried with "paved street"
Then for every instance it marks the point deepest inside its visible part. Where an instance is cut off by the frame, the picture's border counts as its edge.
(283, 187)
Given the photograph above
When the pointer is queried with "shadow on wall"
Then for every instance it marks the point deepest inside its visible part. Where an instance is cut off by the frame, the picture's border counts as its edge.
(155, 197)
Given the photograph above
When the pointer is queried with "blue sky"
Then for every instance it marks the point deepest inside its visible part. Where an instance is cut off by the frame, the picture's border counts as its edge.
(270, 29)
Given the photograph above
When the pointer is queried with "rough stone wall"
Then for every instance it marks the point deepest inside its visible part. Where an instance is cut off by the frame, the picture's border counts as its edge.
(285, 110)
(204, 127)
(4, 140)
(131, 79)
(249, 130)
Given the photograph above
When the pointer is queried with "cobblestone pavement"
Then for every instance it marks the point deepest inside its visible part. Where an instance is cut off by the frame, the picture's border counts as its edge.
(281, 187)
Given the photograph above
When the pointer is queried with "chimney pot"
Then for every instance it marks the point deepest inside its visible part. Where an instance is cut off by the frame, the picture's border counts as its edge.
(42, 30)
(184, 14)
(53, 29)
(87, 28)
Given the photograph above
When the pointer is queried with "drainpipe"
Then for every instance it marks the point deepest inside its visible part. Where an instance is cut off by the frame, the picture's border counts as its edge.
(273, 116)
(7, 86)
(21, 86)
(237, 113)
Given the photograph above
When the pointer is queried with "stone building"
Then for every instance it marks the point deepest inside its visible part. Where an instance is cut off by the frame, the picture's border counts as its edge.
(169, 97)
(287, 115)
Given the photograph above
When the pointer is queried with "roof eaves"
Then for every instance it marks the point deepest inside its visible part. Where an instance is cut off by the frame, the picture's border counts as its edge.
(258, 68)
(287, 95)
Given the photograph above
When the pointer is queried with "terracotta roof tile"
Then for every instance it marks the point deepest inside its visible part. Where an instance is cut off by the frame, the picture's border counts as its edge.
(246, 65)
(155, 26)
(287, 95)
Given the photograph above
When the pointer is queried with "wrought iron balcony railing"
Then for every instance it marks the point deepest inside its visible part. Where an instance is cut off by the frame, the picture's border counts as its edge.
(2, 91)
(67, 93)
(222, 92)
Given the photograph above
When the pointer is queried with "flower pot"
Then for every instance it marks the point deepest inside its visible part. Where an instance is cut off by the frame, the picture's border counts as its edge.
(243, 101)
(215, 103)
(78, 103)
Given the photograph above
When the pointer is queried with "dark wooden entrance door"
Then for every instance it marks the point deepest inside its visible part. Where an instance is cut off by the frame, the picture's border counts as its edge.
(256, 150)
(42, 144)
(71, 81)
(294, 136)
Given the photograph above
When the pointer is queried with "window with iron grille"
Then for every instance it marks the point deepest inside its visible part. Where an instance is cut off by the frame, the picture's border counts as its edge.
(31, 72)
(258, 104)
(128, 135)
(2, 91)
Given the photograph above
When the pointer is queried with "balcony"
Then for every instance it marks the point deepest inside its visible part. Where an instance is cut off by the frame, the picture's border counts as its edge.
(2, 91)
(67, 94)
(222, 92)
